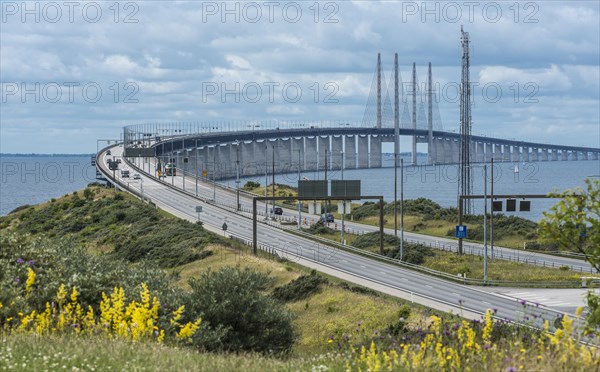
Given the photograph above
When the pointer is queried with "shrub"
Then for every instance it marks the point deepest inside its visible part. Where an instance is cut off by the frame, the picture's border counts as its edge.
(300, 288)
(236, 308)
(250, 185)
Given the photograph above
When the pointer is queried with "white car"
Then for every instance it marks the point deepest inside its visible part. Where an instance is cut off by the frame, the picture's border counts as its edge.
(136, 176)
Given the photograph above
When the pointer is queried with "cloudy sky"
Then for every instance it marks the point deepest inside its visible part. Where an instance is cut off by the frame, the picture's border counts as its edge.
(73, 72)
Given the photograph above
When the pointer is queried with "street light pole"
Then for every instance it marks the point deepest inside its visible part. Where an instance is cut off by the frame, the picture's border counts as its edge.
(237, 181)
(273, 185)
(401, 208)
(266, 182)
(299, 175)
(485, 253)
(214, 174)
(344, 205)
(196, 165)
(395, 193)
(492, 210)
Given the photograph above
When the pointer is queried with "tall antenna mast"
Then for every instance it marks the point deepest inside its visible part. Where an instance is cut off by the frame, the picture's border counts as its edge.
(414, 113)
(378, 90)
(465, 186)
(429, 116)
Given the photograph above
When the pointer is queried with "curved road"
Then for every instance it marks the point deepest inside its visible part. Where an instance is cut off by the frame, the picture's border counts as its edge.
(433, 292)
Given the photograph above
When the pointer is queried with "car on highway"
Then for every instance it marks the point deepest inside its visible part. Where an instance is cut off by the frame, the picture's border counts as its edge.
(136, 176)
(327, 217)
(108, 152)
(278, 210)
(125, 173)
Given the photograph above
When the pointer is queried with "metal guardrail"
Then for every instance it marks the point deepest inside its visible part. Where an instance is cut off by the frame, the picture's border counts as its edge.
(331, 243)
(419, 268)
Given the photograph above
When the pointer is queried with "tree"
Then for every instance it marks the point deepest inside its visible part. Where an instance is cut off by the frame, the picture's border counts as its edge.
(574, 224)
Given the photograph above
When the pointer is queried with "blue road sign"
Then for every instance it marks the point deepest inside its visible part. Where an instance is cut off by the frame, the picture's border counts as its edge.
(461, 231)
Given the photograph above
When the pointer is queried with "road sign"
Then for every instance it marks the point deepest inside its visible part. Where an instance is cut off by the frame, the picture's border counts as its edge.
(461, 231)
(224, 227)
(345, 188)
(311, 189)
(198, 209)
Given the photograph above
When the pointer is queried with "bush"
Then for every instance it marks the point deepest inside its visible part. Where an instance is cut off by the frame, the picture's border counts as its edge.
(319, 228)
(250, 185)
(300, 288)
(240, 314)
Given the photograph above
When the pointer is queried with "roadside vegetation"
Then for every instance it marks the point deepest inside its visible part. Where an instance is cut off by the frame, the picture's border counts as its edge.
(90, 296)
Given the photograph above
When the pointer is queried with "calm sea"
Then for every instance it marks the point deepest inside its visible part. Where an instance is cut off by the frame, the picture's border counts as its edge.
(439, 183)
(32, 180)
(35, 179)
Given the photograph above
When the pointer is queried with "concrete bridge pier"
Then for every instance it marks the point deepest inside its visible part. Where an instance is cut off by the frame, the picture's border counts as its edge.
(554, 155)
(283, 155)
(534, 154)
(489, 152)
(248, 166)
(574, 155)
(584, 155)
(260, 156)
(440, 152)
(224, 163)
(349, 152)
(564, 155)
(324, 146)
(507, 153)
(545, 154)
(594, 156)
(455, 149)
(310, 153)
(525, 153)
(480, 153)
(337, 147)
(497, 155)
(298, 147)
(363, 152)
(375, 152)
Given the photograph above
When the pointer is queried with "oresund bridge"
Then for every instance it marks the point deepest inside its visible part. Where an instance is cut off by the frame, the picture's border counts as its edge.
(218, 150)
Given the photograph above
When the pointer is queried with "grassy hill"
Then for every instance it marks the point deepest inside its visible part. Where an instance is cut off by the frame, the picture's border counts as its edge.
(99, 280)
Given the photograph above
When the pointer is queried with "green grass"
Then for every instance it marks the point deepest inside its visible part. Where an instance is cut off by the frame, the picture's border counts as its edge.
(453, 264)
(29, 353)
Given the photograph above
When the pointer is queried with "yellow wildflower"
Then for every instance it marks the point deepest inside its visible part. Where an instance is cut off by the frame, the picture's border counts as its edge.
(30, 280)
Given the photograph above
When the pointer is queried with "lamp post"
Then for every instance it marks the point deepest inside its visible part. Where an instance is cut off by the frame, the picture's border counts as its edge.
(273, 184)
(343, 206)
(237, 181)
(266, 182)
(214, 174)
(299, 177)
(485, 257)
(196, 165)
(401, 208)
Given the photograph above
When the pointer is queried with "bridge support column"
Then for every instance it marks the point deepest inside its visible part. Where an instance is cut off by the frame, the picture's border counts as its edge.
(564, 155)
(323, 146)
(337, 146)
(554, 154)
(525, 153)
(247, 162)
(260, 156)
(224, 156)
(584, 155)
(506, 155)
(489, 152)
(438, 144)
(480, 152)
(448, 150)
(350, 152)
(455, 148)
(363, 152)
(534, 154)
(497, 155)
(375, 152)
(283, 155)
(574, 155)
(594, 156)
(545, 154)
(298, 145)
(310, 156)
(472, 151)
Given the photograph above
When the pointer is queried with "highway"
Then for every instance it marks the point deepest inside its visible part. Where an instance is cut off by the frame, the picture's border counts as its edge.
(226, 196)
(431, 291)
